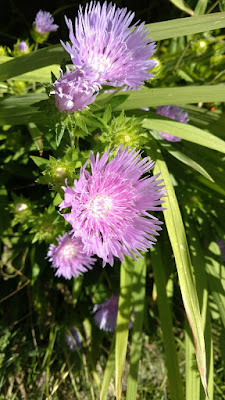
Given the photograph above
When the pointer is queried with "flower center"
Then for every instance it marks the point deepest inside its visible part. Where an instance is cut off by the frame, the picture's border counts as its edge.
(68, 251)
(100, 63)
(100, 206)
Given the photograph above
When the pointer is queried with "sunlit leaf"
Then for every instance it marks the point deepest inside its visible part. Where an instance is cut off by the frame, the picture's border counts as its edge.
(180, 248)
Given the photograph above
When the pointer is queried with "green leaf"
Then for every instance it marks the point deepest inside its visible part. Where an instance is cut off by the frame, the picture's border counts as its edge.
(36, 136)
(175, 382)
(184, 131)
(38, 75)
(109, 369)
(216, 279)
(19, 110)
(138, 302)
(163, 96)
(182, 6)
(16, 110)
(59, 131)
(222, 5)
(200, 276)
(30, 62)
(186, 26)
(192, 377)
(201, 7)
(123, 318)
(40, 162)
(182, 157)
(159, 30)
(180, 248)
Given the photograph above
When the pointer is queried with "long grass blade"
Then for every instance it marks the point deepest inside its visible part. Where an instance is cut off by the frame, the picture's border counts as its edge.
(158, 31)
(138, 301)
(180, 248)
(216, 279)
(200, 276)
(123, 318)
(186, 26)
(109, 369)
(185, 131)
(175, 382)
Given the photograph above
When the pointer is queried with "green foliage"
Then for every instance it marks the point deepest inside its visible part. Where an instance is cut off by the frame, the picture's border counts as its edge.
(173, 297)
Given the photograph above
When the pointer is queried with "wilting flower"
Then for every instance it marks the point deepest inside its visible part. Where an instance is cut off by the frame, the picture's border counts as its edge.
(109, 207)
(76, 89)
(44, 22)
(74, 339)
(69, 257)
(106, 314)
(173, 112)
(105, 40)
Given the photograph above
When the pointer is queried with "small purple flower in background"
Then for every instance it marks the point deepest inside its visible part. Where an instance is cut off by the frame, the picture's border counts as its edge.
(109, 207)
(221, 245)
(76, 89)
(173, 112)
(68, 257)
(106, 314)
(22, 47)
(44, 22)
(105, 40)
(74, 339)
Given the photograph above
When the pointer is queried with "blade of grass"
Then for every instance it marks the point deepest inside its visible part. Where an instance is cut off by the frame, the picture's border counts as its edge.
(109, 369)
(158, 31)
(16, 110)
(197, 256)
(216, 279)
(175, 382)
(180, 248)
(182, 6)
(138, 302)
(181, 156)
(29, 62)
(186, 26)
(163, 96)
(123, 318)
(185, 131)
(192, 377)
(200, 7)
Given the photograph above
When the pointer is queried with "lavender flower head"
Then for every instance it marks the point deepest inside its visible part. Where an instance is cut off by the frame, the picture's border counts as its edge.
(74, 339)
(44, 22)
(76, 89)
(22, 47)
(106, 314)
(105, 40)
(68, 257)
(109, 206)
(173, 112)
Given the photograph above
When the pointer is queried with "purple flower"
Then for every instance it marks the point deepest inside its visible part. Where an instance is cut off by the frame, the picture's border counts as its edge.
(76, 89)
(105, 40)
(44, 22)
(109, 206)
(22, 47)
(69, 257)
(106, 314)
(74, 339)
(173, 112)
